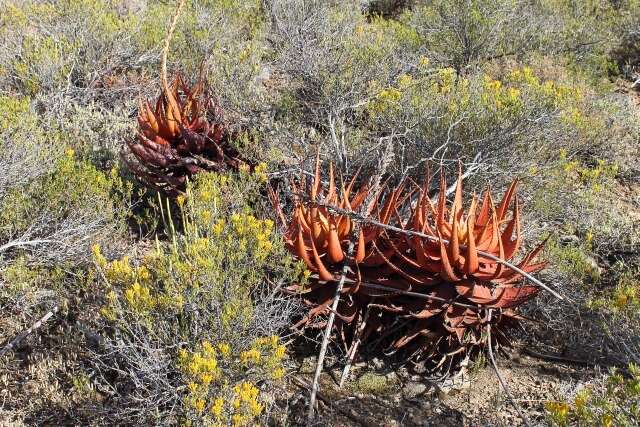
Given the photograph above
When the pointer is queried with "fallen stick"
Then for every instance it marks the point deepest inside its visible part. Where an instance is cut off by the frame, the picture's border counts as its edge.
(28, 332)
(327, 332)
(568, 360)
(354, 347)
(364, 220)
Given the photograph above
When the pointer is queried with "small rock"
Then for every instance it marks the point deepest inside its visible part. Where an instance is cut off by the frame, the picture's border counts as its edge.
(413, 389)
(377, 363)
(392, 377)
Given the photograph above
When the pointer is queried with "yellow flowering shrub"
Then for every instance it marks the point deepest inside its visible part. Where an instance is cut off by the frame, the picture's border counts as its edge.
(222, 386)
(614, 402)
(622, 299)
(204, 298)
(447, 105)
(587, 184)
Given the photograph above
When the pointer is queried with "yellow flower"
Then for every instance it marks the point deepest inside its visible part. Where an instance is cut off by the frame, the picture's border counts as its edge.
(98, 257)
(206, 379)
(238, 420)
(199, 405)
(404, 80)
(559, 410)
(621, 300)
(139, 297)
(261, 172)
(207, 348)
(562, 154)
(224, 349)
(217, 407)
(280, 351)
(206, 216)
(193, 387)
(218, 227)
(251, 355)
(278, 373)
(589, 237)
(247, 394)
(581, 400)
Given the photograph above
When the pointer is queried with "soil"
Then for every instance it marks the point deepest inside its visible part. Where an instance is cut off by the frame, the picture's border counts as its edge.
(471, 399)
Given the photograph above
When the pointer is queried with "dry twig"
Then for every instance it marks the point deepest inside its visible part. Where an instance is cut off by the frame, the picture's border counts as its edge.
(167, 43)
(354, 347)
(29, 331)
(304, 386)
(327, 333)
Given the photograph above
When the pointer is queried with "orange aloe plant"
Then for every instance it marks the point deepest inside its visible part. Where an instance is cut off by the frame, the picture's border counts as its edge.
(429, 262)
(180, 135)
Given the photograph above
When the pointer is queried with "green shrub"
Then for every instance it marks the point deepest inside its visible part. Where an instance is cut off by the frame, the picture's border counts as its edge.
(613, 402)
(623, 298)
(98, 51)
(94, 132)
(204, 307)
(508, 119)
(462, 33)
(26, 152)
(459, 32)
(56, 217)
(573, 260)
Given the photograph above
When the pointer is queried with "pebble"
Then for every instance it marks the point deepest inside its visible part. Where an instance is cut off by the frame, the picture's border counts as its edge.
(413, 389)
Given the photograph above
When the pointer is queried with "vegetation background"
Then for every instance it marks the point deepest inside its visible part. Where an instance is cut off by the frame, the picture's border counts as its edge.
(164, 312)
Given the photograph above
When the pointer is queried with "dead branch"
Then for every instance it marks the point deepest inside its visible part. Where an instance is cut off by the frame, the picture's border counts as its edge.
(167, 43)
(327, 333)
(304, 386)
(28, 332)
(354, 347)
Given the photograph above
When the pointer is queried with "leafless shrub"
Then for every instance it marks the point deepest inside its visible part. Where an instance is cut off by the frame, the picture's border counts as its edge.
(331, 55)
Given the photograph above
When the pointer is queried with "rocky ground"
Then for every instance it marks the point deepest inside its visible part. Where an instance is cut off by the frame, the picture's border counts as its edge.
(376, 396)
